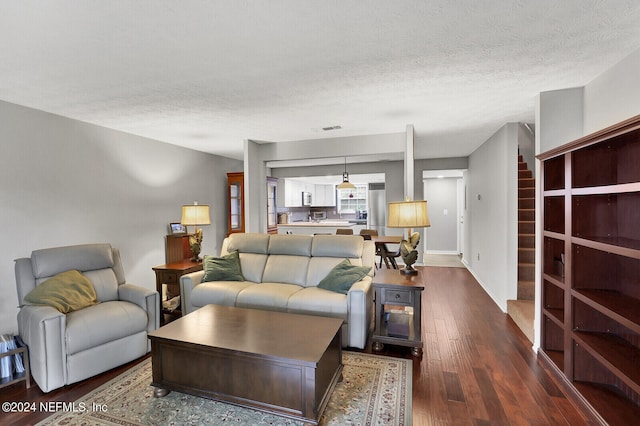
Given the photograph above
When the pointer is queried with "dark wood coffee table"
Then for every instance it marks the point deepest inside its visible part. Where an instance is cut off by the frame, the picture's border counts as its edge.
(286, 364)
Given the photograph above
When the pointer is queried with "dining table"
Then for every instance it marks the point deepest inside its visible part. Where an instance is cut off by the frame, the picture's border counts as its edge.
(383, 251)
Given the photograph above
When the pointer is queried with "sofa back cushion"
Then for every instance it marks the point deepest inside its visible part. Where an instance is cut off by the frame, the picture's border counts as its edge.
(290, 245)
(286, 269)
(293, 259)
(95, 261)
(246, 243)
(253, 249)
(342, 246)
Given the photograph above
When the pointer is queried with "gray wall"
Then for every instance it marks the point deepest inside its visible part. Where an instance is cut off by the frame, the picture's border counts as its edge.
(491, 238)
(67, 182)
(442, 202)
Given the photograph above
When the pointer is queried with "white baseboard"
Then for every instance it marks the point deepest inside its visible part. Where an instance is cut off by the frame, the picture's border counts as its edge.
(442, 252)
(484, 287)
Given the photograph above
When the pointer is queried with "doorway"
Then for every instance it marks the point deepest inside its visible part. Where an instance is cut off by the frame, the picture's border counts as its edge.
(445, 192)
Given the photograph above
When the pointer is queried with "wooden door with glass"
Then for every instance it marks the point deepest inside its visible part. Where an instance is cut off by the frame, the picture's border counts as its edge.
(235, 191)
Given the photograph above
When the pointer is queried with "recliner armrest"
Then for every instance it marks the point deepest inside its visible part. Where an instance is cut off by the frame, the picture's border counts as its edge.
(148, 300)
(42, 328)
(187, 283)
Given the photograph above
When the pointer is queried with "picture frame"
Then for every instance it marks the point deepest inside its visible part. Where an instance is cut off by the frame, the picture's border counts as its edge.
(177, 228)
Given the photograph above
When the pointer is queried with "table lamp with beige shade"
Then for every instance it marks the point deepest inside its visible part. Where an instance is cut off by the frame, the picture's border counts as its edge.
(193, 215)
(409, 214)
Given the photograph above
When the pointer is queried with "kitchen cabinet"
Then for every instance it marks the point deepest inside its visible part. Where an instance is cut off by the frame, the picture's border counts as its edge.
(324, 195)
(351, 200)
(590, 306)
(293, 193)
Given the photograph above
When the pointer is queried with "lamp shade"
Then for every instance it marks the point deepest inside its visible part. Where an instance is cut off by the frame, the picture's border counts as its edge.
(195, 214)
(408, 214)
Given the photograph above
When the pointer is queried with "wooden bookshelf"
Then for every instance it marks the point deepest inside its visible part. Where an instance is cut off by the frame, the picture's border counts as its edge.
(590, 306)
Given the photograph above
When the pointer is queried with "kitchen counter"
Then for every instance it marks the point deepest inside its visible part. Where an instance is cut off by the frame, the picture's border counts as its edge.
(310, 228)
(329, 223)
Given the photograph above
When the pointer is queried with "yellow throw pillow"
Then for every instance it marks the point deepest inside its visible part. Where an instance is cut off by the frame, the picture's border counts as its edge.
(68, 291)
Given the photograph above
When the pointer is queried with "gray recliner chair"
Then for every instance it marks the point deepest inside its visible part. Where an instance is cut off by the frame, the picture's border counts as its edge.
(67, 348)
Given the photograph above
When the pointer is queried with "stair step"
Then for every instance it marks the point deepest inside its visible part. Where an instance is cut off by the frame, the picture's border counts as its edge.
(526, 183)
(526, 240)
(528, 215)
(526, 255)
(526, 192)
(526, 227)
(524, 173)
(526, 272)
(526, 290)
(526, 203)
(521, 311)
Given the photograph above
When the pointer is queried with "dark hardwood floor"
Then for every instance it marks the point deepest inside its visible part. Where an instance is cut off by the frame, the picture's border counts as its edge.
(477, 368)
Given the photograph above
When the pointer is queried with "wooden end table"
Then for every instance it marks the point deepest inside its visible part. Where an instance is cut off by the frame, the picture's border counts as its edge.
(169, 275)
(398, 328)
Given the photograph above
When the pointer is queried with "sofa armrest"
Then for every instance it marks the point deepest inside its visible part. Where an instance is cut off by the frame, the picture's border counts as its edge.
(148, 300)
(360, 311)
(42, 328)
(187, 283)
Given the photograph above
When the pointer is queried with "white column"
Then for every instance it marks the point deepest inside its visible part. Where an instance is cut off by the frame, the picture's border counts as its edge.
(408, 164)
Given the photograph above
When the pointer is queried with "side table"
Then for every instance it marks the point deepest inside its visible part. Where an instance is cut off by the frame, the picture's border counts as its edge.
(398, 327)
(25, 376)
(169, 275)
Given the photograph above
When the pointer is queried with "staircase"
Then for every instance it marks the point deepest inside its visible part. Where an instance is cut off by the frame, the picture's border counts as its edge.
(522, 309)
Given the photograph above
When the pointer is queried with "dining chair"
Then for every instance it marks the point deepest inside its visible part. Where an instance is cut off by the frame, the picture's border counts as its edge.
(344, 231)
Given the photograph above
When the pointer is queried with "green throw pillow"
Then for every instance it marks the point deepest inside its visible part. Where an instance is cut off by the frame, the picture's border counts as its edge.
(67, 292)
(343, 276)
(225, 268)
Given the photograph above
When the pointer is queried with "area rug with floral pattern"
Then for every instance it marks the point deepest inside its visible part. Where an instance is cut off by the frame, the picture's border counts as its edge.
(375, 390)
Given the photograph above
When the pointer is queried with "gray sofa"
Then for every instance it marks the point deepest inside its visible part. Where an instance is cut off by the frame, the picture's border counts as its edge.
(67, 348)
(282, 272)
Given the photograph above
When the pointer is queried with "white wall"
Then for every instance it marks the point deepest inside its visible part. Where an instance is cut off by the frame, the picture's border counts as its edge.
(613, 96)
(558, 117)
(492, 219)
(66, 182)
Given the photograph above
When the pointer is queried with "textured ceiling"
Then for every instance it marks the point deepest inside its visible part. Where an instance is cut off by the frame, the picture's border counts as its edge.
(209, 74)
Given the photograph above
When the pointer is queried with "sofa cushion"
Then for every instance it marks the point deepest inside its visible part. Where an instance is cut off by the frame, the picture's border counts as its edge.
(103, 323)
(286, 269)
(252, 265)
(343, 276)
(318, 269)
(67, 292)
(316, 301)
(350, 246)
(225, 268)
(269, 296)
(247, 243)
(292, 245)
(218, 292)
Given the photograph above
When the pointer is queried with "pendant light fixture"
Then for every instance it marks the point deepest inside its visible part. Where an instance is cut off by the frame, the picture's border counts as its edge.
(345, 178)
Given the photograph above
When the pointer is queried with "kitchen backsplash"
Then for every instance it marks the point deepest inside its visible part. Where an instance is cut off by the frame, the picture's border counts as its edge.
(301, 214)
